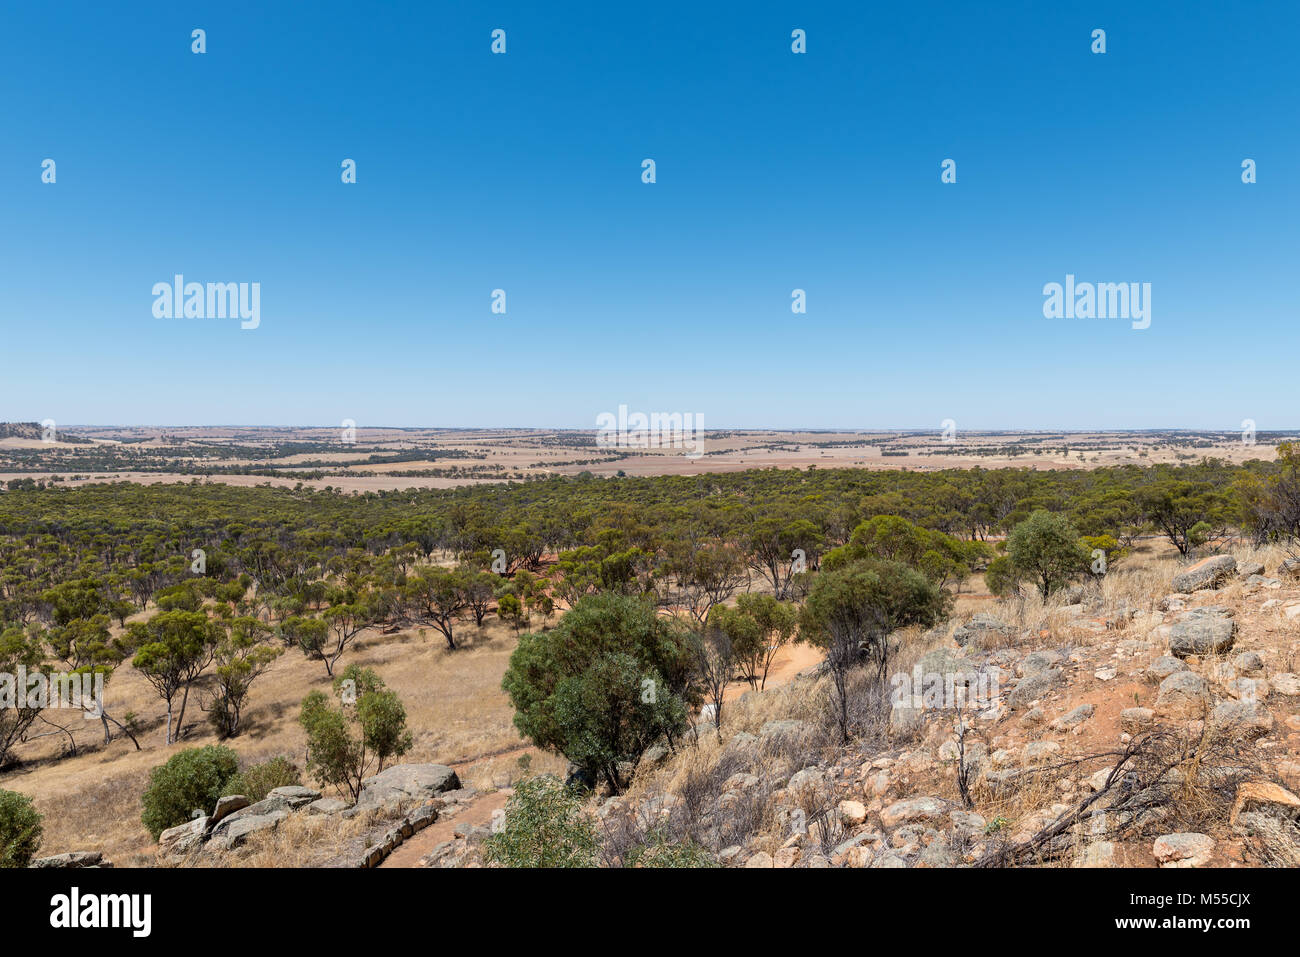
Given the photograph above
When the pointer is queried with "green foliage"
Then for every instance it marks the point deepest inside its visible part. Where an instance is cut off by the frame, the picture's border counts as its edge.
(345, 740)
(1001, 577)
(19, 648)
(191, 780)
(603, 685)
(544, 827)
(172, 649)
(860, 604)
(851, 612)
(259, 780)
(757, 626)
(20, 829)
(1189, 513)
(1045, 548)
(938, 556)
(240, 659)
(511, 610)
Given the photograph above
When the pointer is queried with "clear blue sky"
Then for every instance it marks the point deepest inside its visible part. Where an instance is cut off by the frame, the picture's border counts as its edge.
(775, 171)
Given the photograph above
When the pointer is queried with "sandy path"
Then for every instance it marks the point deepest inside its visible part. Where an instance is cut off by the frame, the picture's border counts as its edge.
(476, 813)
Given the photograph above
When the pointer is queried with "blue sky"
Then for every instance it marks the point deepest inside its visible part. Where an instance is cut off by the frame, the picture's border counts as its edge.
(775, 171)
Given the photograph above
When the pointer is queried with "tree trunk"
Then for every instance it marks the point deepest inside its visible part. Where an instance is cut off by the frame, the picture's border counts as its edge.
(180, 720)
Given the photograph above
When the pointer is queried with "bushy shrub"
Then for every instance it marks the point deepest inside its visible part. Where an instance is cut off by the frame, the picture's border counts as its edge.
(1045, 549)
(259, 780)
(602, 686)
(545, 827)
(20, 829)
(191, 780)
(335, 755)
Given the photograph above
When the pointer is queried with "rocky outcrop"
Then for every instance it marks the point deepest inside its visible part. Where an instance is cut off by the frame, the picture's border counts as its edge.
(1032, 688)
(406, 784)
(72, 859)
(981, 630)
(1202, 631)
(234, 820)
(1207, 573)
(1184, 695)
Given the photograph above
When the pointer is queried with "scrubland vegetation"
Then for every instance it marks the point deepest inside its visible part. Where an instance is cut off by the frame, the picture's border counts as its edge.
(635, 601)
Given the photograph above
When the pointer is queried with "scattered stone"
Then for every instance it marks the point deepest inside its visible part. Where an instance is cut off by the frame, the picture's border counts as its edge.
(1290, 568)
(1183, 850)
(1105, 674)
(979, 628)
(1163, 667)
(1184, 694)
(1242, 717)
(761, 859)
(1202, 631)
(853, 813)
(72, 859)
(1136, 720)
(1286, 683)
(1072, 719)
(1032, 688)
(1249, 569)
(928, 809)
(1207, 573)
(1258, 794)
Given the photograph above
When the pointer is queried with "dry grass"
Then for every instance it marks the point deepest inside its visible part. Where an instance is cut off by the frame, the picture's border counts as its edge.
(454, 703)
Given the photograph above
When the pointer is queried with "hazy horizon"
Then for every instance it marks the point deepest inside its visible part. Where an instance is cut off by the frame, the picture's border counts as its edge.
(708, 427)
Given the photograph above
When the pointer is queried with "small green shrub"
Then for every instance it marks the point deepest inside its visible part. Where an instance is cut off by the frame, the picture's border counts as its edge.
(191, 780)
(259, 780)
(20, 829)
(545, 827)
